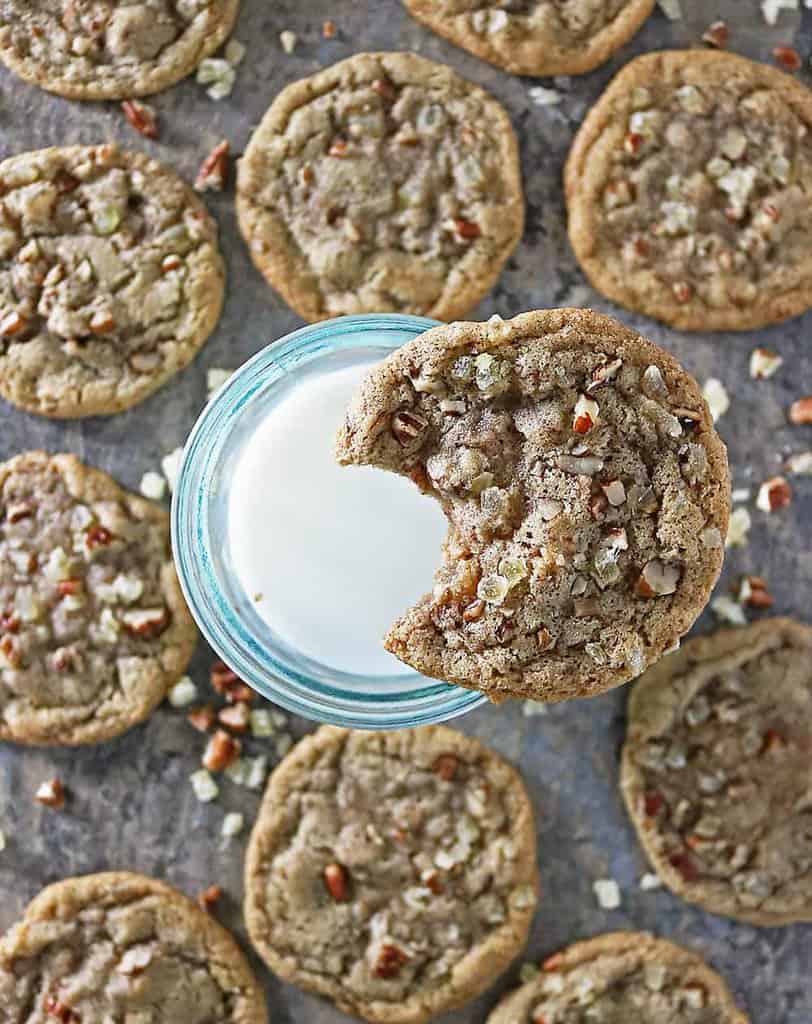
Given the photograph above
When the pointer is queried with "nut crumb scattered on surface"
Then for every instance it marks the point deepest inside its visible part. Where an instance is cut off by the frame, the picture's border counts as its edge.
(262, 723)
(234, 52)
(650, 881)
(672, 9)
(51, 794)
(203, 718)
(543, 97)
(800, 412)
(754, 592)
(533, 707)
(770, 9)
(213, 172)
(715, 394)
(183, 693)
(208, 898)
(219, 75)
(764, 363)
(788, 58)
(728, 610)
(232, 825)
(170, 466)
(738, 528)
(142, 117)
(800, 464)
(222, 750)
(288, 40)
(329, 30)
(204, 786)
(774, 494)
(607, 893)
(716, 34)
(2, 840)
(153, 485)
(216, 377)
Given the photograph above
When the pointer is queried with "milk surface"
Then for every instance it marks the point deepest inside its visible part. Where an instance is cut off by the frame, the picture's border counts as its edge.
(329, 555)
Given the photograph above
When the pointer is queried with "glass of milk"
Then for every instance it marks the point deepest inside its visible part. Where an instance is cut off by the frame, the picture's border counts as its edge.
(293, 566)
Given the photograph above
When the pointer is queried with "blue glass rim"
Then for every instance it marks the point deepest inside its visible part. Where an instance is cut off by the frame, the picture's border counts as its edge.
(298, 687)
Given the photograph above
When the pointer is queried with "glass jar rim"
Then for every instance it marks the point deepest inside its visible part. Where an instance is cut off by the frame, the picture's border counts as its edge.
(297, 688)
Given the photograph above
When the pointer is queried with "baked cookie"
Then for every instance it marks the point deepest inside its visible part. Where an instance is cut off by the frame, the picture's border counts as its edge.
(110, 279)
(586, 490)
(122, 947)
(542, 37)
(385, 183)
(687, 188)
(393, 872)
(93, 627)
(110, 49)
(622, 976)
(717, 771)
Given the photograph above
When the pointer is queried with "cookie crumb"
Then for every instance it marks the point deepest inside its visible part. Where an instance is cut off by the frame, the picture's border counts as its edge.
(216, 377)
(763, 363)
(738, 528)
(206, 789)
(607, 893)
(170, 466)
(51, 794)
(715, 394)
(183, 693)
(232, 825)
(649, 881)
(288, 40)
(728, 610)
(152, 486)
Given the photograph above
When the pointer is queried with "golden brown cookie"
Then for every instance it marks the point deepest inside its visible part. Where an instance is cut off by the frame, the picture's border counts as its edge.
(113, 49)
(542, 37)
(622, 976)
(717, 771)
(586, 490)
(393, 872)
(110, 279)
(687, 189)
(119, 946)
(385, 183)
(93, 626)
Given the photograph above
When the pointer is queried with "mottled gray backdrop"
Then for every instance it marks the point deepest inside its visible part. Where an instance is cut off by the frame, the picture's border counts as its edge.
(131, 806)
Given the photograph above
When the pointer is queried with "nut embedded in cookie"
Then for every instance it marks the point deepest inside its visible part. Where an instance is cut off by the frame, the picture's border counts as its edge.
(586, 490)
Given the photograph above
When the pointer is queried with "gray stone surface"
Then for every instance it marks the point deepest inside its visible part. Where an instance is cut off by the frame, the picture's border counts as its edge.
(131, 806)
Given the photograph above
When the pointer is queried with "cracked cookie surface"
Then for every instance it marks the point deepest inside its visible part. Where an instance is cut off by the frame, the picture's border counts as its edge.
(621, 976)
(687, 191)
(110, 279)
(536, 37)
(119, 946)
(393, 872)
(717, 772)
(586, 491)
(110, 49)
(93, 627)
(385, 183)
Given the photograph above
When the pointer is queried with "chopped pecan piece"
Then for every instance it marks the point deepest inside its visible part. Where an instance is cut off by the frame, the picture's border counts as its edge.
(207, 899)
(213, 172)
(446, 766)
(337, 880)
(390, 960)
(142, 117)
(235, 716)
(221, 751)
(800, 412)
(51, 794)
(229, 684)
(202, 718)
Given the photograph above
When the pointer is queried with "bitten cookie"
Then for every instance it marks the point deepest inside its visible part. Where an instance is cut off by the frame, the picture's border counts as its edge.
(688, 191)
(539, 38)
(623, 976)
(393, 872)
(586, 490)
(110, 279)
(385, 183)
(717, 771)
(121, 947)
(93, 627)
(110, 49)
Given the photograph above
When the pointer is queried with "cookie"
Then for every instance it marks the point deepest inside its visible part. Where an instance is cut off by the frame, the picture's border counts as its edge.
(716, 771)
(119, 946)
(93, 627)
(622, 976)
(111, 50)
(385, 183)
(586, 490)
(687, 189)
(110, 279)
(539, 38)
(393, 872)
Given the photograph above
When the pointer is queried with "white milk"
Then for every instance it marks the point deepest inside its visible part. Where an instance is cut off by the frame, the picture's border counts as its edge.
(330, 555)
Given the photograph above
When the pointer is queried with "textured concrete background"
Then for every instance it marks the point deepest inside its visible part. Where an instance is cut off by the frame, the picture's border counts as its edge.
(131, 805)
